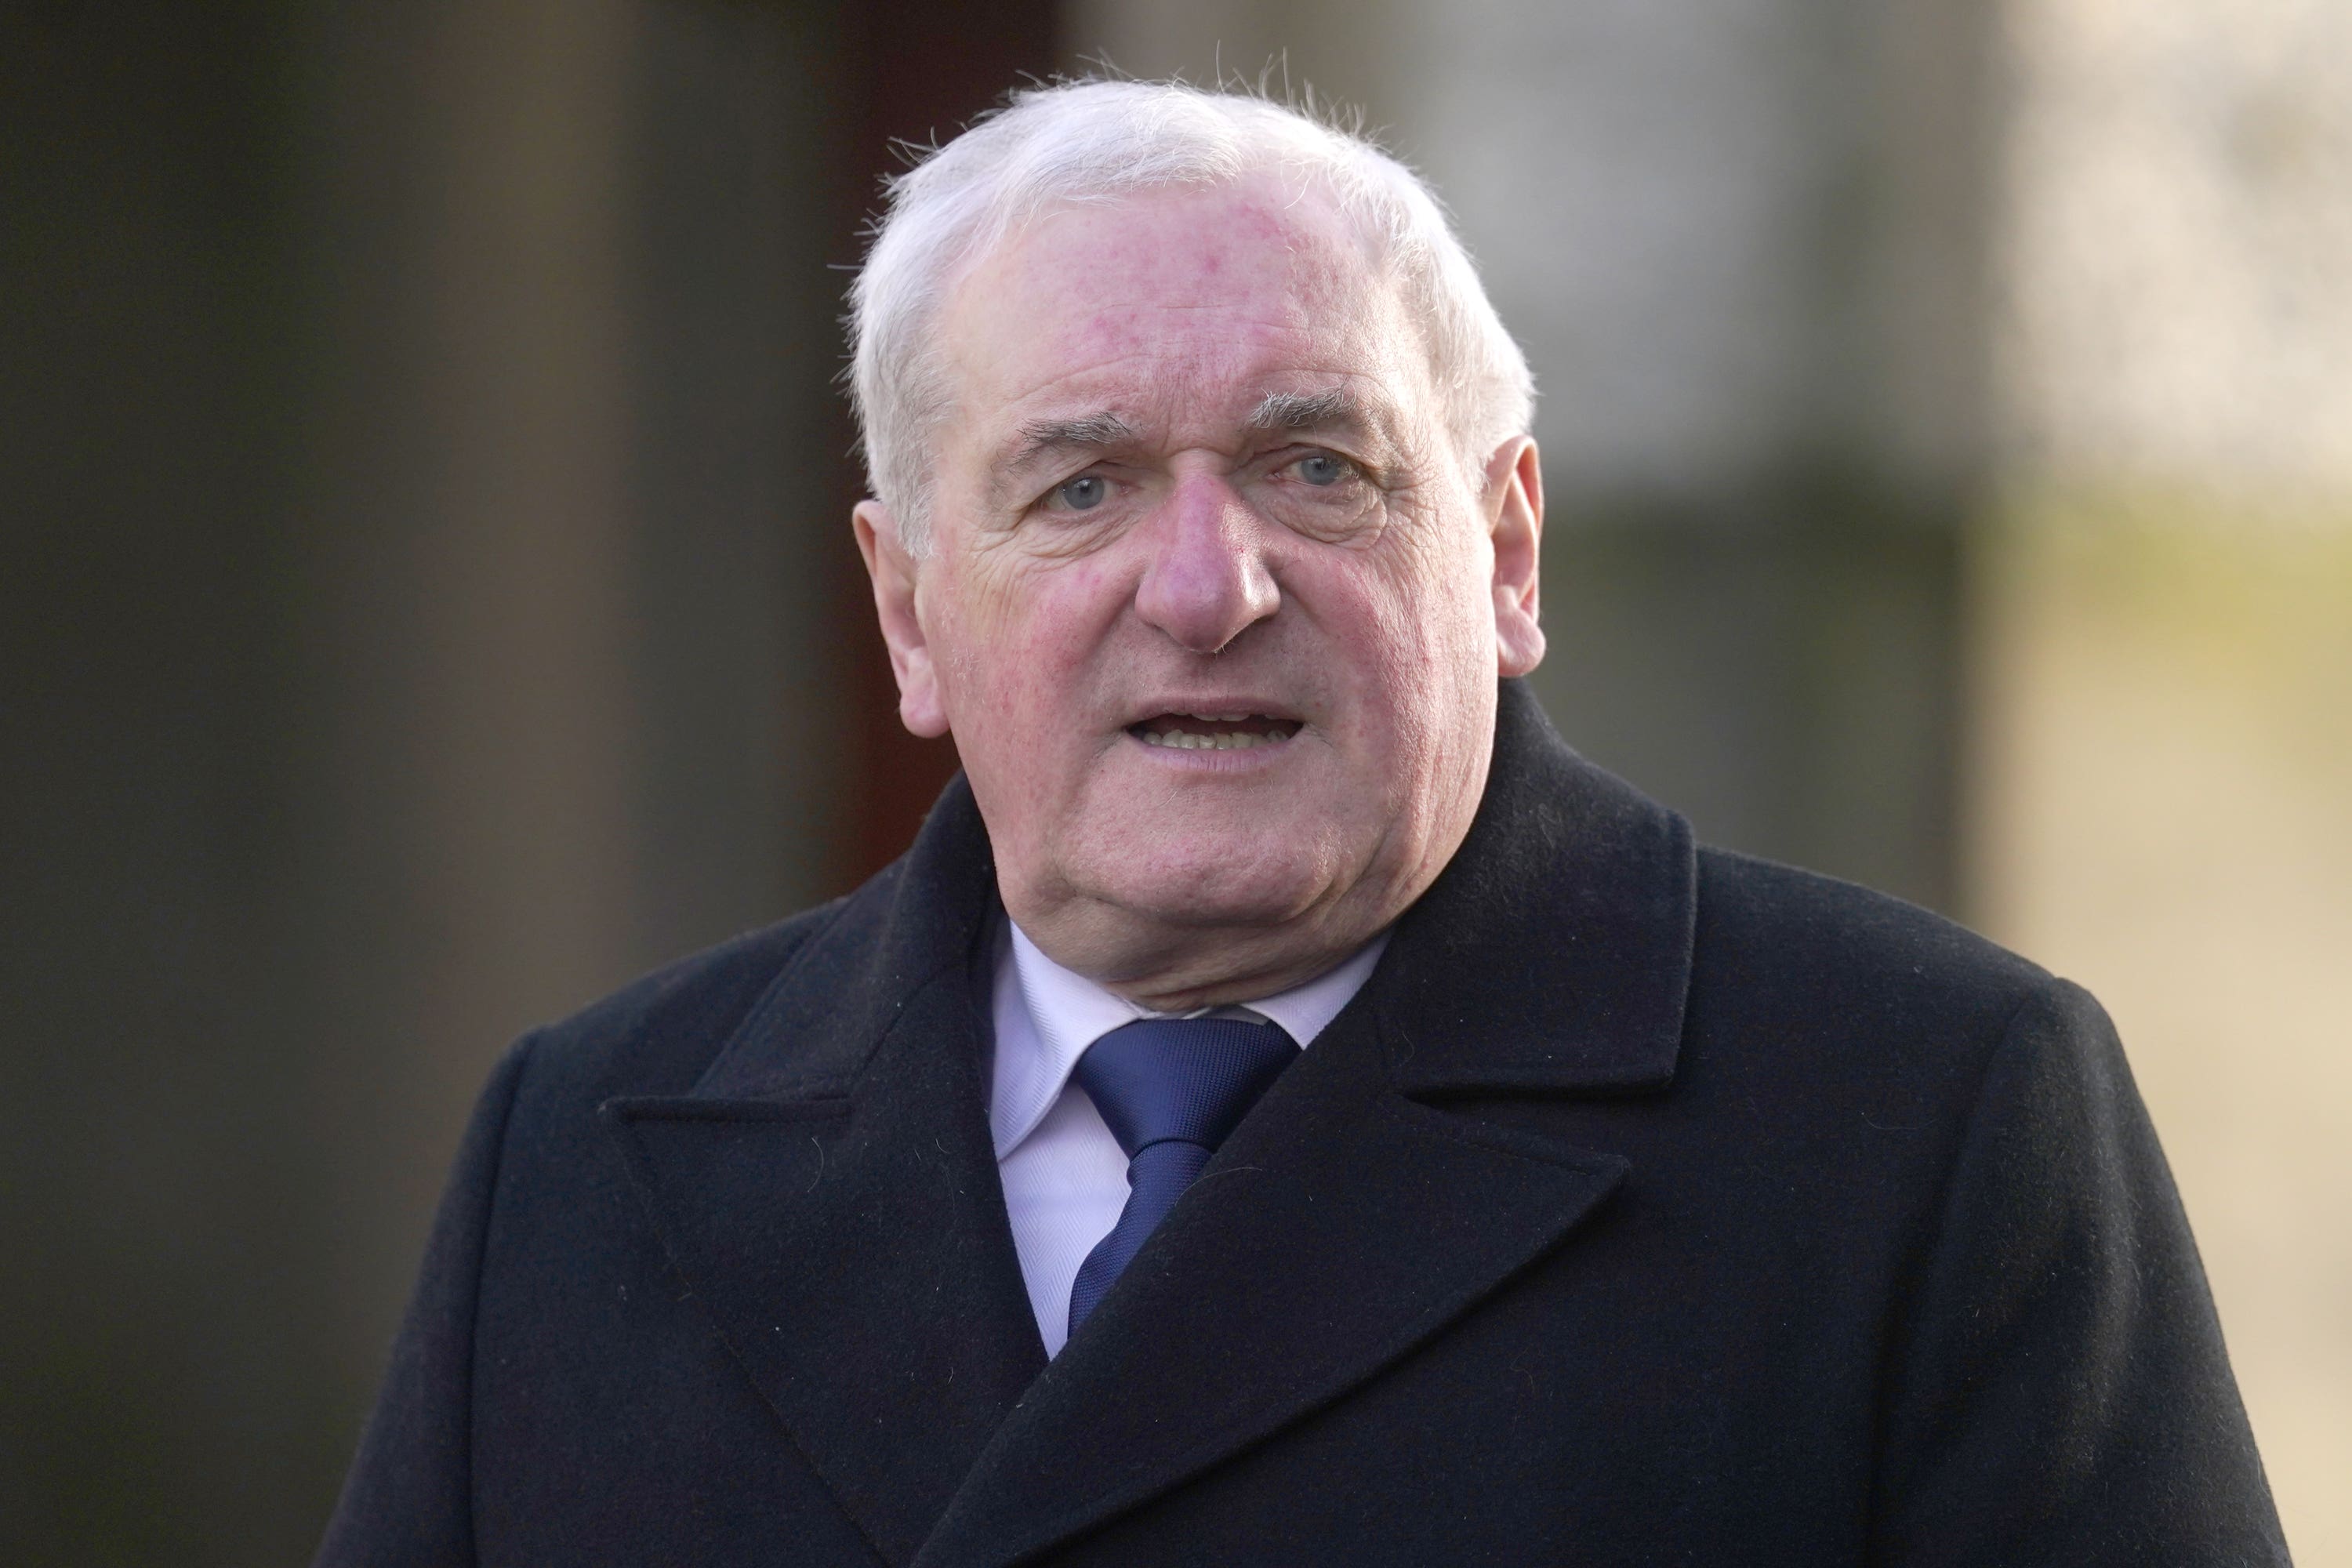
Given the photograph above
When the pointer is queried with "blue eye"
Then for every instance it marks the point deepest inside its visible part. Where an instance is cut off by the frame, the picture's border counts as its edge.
(1084, 493)
(1321, 469)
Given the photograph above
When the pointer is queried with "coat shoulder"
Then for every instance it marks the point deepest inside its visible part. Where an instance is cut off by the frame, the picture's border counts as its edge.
(1839, 939)
(1829, 982)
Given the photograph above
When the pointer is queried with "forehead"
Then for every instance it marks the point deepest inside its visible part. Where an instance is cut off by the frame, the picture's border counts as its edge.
(1177, 307)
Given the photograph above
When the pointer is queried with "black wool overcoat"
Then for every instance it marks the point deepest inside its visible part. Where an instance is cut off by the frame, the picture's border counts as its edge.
(1649, 1204)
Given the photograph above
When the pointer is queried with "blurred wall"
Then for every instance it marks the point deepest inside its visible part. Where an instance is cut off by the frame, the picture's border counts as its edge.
(160, 1329)
(426, 602)
(2163, 756)
(565, 377)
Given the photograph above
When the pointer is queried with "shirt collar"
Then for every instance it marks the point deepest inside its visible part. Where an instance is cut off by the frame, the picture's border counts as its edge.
(1047, 1016)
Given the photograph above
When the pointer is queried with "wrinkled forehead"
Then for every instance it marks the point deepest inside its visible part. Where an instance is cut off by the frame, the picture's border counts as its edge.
(1178, 303)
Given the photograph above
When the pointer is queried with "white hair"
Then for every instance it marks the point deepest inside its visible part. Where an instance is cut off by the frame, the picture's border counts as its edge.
(1096, 140)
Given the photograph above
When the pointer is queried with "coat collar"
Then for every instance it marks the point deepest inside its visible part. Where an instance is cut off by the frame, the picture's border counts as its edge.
(829, 1189)
(1554, 953)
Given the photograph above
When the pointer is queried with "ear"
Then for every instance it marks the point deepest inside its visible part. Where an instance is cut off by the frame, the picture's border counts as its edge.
(894, 572)
(1514, 498)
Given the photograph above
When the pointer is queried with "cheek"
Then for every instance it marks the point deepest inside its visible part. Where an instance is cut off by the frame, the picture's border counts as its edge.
(1436, 623)
(1015, 638)
(1421, 637)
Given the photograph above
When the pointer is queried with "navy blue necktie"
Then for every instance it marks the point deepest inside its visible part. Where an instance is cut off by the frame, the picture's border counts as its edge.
(1170, 1090)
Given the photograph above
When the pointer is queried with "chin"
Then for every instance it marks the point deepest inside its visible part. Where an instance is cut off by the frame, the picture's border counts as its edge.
(1220, 884)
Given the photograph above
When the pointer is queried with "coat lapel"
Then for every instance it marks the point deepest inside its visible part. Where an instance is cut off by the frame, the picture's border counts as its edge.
(1351, 1216)
(829, 1193)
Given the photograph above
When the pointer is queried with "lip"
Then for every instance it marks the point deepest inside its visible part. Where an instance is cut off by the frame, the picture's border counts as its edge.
(1250, 759)
(1209, 707)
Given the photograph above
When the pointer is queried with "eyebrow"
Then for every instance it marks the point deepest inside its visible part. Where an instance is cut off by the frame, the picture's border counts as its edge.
(1091, 432)
(1310, 410)
(1276, 411)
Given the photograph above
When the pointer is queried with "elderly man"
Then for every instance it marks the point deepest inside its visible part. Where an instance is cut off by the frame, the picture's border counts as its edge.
(1287, 1107)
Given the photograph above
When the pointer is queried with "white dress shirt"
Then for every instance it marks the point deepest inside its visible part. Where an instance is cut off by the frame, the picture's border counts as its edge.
(1065, 1174)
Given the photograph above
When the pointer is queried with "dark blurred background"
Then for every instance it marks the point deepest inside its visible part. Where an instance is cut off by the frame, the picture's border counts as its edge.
(427, 599)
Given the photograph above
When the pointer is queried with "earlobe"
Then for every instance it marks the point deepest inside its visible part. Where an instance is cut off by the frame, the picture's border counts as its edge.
(1515, 523)
(895, 575)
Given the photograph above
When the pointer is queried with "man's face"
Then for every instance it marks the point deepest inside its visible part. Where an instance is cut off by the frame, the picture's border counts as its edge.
(1213, 608)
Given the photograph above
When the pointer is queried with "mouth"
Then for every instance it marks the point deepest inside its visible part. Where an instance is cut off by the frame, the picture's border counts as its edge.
(1213, 732)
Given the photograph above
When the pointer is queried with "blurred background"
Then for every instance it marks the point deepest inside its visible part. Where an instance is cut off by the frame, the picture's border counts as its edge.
(427, 599)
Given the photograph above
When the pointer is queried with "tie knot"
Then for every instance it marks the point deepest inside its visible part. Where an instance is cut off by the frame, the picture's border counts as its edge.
(1187, 1079)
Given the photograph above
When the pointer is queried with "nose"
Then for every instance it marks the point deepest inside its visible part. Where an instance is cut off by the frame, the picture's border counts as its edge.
(1207, 579)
